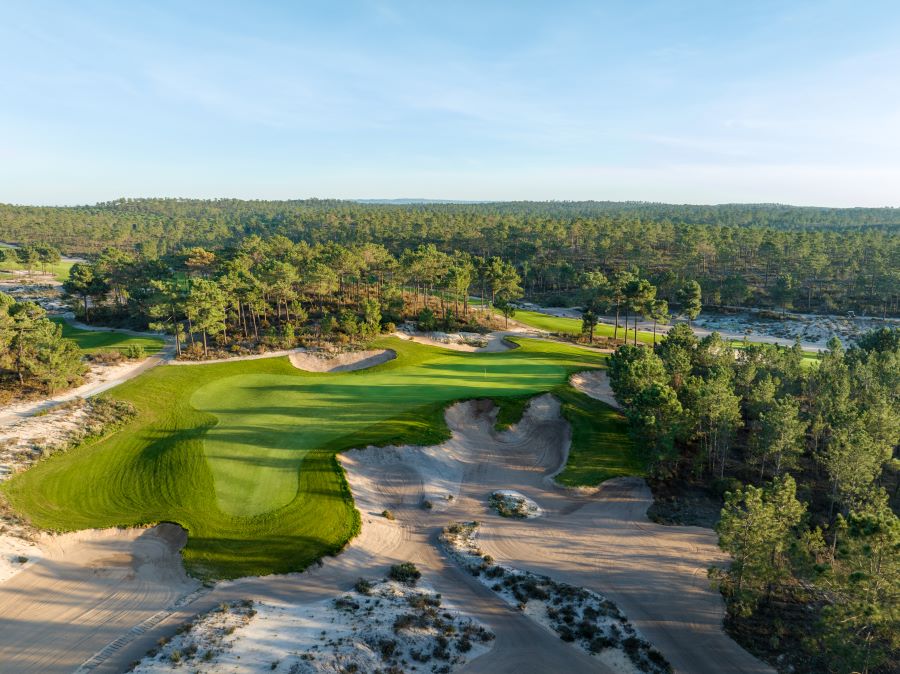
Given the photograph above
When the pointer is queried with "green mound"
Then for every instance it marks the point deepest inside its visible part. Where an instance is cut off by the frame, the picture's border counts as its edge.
(242, 454)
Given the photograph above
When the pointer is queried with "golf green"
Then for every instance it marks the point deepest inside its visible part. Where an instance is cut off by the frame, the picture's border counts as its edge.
(242, 454)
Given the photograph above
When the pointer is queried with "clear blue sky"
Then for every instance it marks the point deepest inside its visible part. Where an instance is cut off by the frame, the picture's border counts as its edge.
(704, 102)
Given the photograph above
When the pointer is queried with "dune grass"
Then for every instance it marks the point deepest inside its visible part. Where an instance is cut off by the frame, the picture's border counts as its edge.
(91, 341)
(242, 454)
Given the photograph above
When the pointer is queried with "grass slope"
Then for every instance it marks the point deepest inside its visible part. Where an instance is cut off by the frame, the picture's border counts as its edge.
(242, 454)
(91, 341)
(601, 447)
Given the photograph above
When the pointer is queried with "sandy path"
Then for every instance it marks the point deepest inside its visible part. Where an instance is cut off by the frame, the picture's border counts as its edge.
(99, 380)
(91, 587)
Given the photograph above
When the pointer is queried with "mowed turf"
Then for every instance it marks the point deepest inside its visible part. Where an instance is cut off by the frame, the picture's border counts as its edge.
(91, 341)
(242, 454)
(572, 326)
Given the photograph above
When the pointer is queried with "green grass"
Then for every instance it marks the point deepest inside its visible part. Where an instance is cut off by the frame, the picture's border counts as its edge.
(60, 270)
(91, 341)
(601, 447)
(572, 326)
(242, 454)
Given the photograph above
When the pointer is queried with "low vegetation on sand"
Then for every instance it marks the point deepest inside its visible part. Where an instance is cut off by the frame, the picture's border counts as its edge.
(242, 453)
(578, 616)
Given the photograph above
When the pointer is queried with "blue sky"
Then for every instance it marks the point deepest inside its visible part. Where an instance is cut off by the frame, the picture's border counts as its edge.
(701, 102)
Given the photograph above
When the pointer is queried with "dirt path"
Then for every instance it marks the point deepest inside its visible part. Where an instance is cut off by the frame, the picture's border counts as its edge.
(100, 380)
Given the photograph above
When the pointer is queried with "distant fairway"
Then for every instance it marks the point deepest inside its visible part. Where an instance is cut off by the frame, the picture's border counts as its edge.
(242, 453)
(91, 341)
(572, 326)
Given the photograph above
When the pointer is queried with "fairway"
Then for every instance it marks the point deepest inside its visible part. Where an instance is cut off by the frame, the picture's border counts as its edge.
(60, 270)
(572, 326)
(91, 341)
(242, 454)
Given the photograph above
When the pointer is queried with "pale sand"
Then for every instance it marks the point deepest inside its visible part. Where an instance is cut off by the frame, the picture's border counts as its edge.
(602, 542)
(90, 587)
(595, 383)
(347, 361)
(496, 341)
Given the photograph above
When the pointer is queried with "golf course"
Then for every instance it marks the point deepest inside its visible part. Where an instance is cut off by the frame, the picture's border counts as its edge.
(92, 341)
(242, 454)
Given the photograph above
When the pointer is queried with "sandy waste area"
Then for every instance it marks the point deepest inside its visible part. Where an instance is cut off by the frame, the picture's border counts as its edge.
(590, 586)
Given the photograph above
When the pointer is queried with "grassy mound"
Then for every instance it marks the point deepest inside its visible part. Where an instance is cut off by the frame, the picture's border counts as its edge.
(242, 454)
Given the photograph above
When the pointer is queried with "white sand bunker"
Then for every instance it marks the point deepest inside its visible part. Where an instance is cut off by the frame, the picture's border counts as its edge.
(341, 362)
(580, 617)
(510, 503)
(387, 626)
(595, 383)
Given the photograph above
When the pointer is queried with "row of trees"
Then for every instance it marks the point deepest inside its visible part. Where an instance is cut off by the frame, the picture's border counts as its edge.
(33, 354)
(625, 292)
(30, 257)
(832, 260)
(277, 289)
(829, 433)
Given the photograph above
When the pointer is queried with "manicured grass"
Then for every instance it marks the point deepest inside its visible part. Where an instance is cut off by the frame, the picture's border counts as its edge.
(572, 326)
(91, 341)
(601, 447)
(60, 270)
(242, 454)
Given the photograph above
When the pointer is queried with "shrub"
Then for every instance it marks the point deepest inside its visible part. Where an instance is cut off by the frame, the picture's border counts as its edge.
(363, 587)
(388, 515)
(405, 573)
(135, 352)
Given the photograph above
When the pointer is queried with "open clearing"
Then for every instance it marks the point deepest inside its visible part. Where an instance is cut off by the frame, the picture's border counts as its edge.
(238, 453)
(93, 340)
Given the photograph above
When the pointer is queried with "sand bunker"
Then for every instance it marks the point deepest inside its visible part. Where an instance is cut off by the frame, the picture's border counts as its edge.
(577, 615)
(342, 362)
(380, 626)
(595, 383)
(468, 342)
(89, 589)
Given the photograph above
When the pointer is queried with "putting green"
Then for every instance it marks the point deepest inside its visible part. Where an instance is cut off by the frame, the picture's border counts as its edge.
(242, 454)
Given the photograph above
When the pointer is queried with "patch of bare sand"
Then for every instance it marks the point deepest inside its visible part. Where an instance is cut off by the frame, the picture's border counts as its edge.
(595, 383)
(492, 342)
(90, 588)
(347, 361)
(602, 542)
